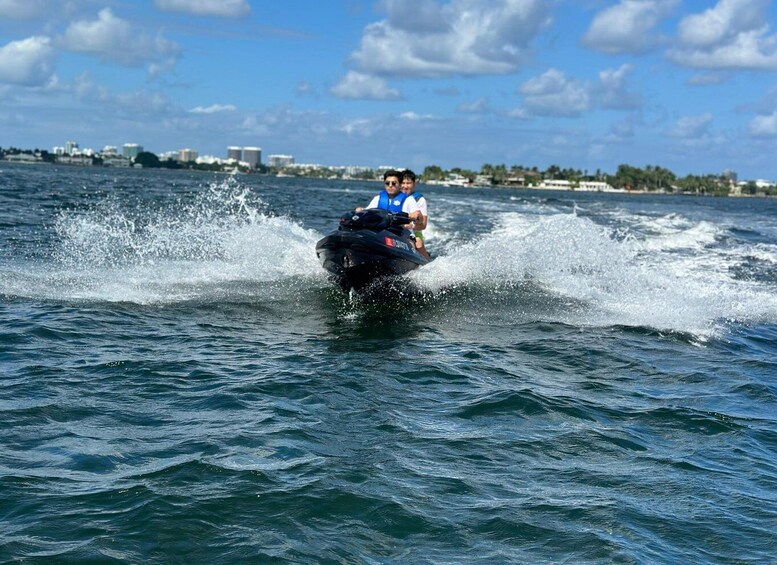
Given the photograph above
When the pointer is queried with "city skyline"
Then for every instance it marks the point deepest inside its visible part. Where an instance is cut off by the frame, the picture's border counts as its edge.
(589, 85)
(252, 156)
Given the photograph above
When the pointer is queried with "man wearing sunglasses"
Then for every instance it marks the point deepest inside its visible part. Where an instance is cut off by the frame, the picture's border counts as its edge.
(393, 199)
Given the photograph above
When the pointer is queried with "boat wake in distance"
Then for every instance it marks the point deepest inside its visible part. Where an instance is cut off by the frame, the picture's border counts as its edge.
(368, 246)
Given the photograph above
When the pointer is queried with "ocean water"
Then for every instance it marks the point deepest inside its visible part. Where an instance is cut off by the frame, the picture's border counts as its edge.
(576, 377)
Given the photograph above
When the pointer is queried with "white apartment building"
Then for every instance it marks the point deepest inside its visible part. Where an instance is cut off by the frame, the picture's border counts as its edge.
(131, 150)
(187, 155)
(279, 161)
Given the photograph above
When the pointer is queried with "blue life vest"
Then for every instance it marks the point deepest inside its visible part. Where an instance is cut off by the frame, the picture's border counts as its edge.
(391, 204)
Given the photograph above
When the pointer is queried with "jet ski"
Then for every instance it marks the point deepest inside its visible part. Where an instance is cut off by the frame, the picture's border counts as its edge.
(367, 246)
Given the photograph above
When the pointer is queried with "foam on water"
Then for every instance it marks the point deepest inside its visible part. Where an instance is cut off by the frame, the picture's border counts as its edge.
(670, 273)
(189, 249)
(672, 279)
(444, 428)
(683, 235)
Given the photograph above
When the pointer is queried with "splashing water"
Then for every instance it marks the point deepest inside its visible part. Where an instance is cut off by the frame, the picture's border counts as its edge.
(186, 250)
(538, 262)
(619, 279)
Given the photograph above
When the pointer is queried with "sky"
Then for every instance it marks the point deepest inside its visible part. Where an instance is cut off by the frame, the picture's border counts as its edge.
(585, 84)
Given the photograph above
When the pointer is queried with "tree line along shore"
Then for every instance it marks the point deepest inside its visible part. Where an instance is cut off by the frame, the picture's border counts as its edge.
(651, 178)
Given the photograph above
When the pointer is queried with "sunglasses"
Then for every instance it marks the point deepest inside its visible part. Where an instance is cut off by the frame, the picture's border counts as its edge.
(391, 183)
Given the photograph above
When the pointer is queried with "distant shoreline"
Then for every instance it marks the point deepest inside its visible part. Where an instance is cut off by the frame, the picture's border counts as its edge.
(436, 184)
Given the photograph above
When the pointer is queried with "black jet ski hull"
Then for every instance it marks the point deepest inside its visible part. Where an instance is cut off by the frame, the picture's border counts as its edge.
(355, 259)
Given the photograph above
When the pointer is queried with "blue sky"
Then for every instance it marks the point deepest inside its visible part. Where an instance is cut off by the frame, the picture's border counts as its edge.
(588, 84)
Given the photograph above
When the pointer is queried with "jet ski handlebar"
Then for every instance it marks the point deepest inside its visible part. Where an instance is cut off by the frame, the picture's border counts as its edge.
(374, 219)
(399, 219)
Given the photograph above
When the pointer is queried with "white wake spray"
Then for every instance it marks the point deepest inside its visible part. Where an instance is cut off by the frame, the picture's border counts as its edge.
(669, 277)
(669, 272)
(191, 249)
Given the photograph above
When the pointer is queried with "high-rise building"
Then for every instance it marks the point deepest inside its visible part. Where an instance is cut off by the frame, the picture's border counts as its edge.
(187, 155)
(279, 161)
(131, 150)
(169, 156)
(235, 153)
(252, 156)
(71, 147)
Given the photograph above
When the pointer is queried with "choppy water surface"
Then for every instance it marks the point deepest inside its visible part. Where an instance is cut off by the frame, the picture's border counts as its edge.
(576, 378)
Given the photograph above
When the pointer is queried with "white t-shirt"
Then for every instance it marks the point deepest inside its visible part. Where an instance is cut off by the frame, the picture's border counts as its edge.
(409, 205)
(422, 206)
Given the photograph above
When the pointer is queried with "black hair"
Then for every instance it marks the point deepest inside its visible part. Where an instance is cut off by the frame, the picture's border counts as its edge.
(392, 173)
(407, 173)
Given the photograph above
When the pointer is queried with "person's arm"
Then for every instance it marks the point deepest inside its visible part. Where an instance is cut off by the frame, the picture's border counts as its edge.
(373, 204)
(411, 207)
(421, 224)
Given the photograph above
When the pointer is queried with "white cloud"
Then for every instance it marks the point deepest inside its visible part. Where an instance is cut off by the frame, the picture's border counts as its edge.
(83, 87)
(708, 79)
(287, 126)
(752, 50)
(361, 127)
(695, 133)
(479, 106)
(462, 37)
(628, 26)
(28, 62)
(253, 125)
(163, 66)
(613, 92)
(112, 38)
(213, 109)
(141, 102)
(364, 87)
(764, 126)
(553, 94)
(690, 127)
(304, 88)
(620, 131)
(144, 102)
(222, 8)
(22, 9)
(415, 117)
(734, 34)
(722, 23)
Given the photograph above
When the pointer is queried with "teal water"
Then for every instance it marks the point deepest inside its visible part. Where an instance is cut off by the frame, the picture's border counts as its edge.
(580, 378)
